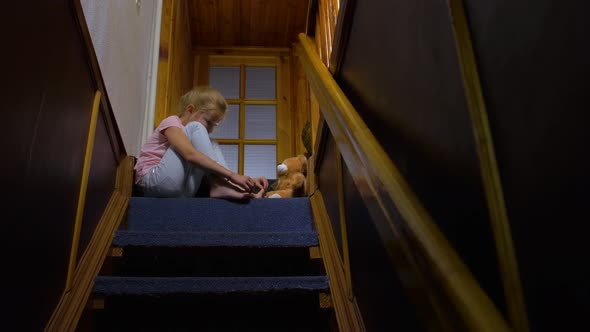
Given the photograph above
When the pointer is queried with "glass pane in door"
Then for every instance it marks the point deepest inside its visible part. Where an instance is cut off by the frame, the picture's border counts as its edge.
(261, 83)
(261, 121)
(230, 154)
(260, 160)
(226, 80)
(230, 126)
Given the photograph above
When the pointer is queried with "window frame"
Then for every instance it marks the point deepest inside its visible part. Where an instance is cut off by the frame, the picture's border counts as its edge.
(282, 140)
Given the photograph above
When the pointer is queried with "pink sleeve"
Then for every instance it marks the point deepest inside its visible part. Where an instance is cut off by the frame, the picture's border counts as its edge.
(171, 121)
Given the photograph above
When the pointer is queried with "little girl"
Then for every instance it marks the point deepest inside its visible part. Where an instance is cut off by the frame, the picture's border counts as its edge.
(179, 153)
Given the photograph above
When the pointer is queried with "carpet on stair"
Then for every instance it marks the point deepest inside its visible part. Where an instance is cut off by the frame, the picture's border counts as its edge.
(215, 239)
(219, 215)
(113, 285)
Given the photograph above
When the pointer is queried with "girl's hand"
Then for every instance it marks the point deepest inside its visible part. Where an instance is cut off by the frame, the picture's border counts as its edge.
(261, 182)
(245, 182)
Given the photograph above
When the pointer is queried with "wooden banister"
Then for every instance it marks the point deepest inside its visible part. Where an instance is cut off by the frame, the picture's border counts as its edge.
(394, 208)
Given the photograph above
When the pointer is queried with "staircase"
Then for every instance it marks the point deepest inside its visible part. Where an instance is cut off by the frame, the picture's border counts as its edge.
(203, 264)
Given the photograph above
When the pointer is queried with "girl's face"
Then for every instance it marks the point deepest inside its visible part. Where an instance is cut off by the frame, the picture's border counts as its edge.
(210, 119)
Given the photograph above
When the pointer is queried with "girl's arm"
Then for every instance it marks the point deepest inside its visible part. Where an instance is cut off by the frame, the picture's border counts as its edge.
(181, 144)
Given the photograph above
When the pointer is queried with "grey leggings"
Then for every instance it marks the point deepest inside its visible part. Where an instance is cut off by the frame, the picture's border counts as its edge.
(176, 177)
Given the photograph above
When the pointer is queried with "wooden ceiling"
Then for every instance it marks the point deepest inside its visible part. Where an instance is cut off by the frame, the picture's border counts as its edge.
(255, 23)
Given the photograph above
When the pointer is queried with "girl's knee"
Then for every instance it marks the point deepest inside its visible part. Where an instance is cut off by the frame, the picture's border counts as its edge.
(195, 126)
(196, 131)
(199, 137)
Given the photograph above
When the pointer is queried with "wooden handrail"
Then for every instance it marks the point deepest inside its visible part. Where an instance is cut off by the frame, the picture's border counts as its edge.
(513, 292)
(387, 196)
(83, 186)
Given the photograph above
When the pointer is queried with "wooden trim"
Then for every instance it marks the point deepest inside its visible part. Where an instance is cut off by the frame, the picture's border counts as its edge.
(341, 35)
(241, 51)
(322, 36)
(82, 192)
(242, 121)
(395, 210)
(300, 105)
(201, 76)
(327, 28)
(317, 38)
(238, 60)
(241, 158)
(332, 16)
(125, 180)
(325, 301)
(165, 57)
(314, 253)
(347, 313)
(311, 184)
(489, 168)
(72, 302)
(196, 71)
(261, 101)
(284, 134)
(343, 227)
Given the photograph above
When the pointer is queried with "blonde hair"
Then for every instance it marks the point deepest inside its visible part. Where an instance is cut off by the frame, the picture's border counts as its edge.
(203, 98)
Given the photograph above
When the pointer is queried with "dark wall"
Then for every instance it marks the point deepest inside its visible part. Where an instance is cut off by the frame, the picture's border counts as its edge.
(380, 295)
(381, 298)
(101, 183)
(400, 71)
(534, 66)
(328, 184)
(48, 89)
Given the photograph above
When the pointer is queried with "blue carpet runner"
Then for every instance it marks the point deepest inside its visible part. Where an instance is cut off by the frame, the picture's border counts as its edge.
(180, 285)
(215, 239)
(218, 215)
(174, 251)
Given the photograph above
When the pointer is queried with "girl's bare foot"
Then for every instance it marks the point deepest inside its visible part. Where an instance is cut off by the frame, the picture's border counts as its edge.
(226, 190)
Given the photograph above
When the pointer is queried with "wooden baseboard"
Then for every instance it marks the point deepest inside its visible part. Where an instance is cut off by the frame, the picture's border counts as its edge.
(347, 312)
(73, 301)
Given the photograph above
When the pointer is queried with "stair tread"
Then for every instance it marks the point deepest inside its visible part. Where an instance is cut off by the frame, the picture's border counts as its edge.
(125, 238)
(219, 215)
(114, 285)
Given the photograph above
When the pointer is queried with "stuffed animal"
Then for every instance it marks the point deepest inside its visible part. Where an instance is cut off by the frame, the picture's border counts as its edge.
(290, 178)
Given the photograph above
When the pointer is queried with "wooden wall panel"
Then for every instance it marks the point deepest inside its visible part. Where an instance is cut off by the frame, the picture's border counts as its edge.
(228, 14)
(181, 78)
(201, 70)
(164, 63)
(300, 109)
(407, 87)
(267, 21)
(204, 22)
(46, 121)
(260, 23)
(175, 67)
(534, 74)
(285, 135)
